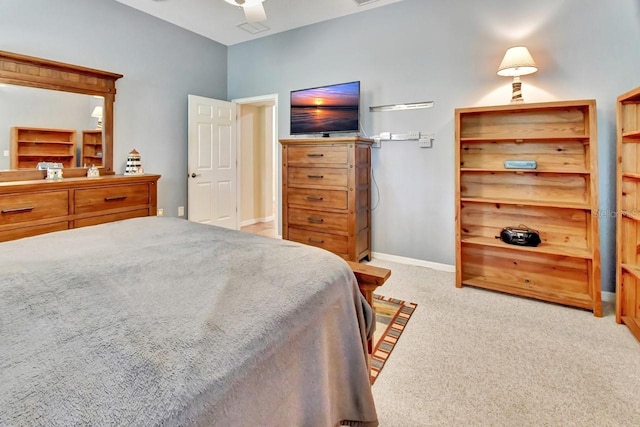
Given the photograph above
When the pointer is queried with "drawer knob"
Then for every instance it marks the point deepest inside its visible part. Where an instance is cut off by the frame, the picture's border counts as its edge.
(17, 210)
(315, 198)
(315, 155)
(311, 240)
(315, 220)
(114, 198)
(315, 176)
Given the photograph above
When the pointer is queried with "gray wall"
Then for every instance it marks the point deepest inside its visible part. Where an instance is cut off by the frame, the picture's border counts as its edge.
(161, 64)
(448, 52)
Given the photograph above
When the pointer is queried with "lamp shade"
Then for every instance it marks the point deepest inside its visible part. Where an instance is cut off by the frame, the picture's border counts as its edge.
(517, 62)
(97, 112)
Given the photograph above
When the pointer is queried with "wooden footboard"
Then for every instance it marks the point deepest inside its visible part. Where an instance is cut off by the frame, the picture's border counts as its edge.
(369, 278)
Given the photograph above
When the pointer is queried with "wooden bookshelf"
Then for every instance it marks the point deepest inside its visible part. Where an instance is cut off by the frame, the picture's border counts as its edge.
(628, 208)
(558, 198)
(92, 150)
(30, 146)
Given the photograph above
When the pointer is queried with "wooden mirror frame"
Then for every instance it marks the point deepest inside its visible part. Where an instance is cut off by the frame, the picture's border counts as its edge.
(23, 70)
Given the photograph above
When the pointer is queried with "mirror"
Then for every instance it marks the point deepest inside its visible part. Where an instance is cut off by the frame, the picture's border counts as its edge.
(24, 107)
(42, 74)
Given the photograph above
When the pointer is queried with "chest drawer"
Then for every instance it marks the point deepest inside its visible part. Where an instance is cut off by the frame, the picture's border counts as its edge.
(331, 242)
(106, 198)
(324, 221)
(304, 176)
(101, 219)
(317, 199)
(17, 208)
(317, 155)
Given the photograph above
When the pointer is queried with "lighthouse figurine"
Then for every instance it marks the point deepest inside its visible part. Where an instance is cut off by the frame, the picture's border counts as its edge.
(134, 165)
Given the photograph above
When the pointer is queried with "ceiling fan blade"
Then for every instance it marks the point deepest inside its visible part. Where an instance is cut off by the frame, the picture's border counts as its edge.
(255, 13)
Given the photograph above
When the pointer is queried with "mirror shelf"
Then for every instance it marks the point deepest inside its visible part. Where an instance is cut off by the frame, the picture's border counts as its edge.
(23, 70)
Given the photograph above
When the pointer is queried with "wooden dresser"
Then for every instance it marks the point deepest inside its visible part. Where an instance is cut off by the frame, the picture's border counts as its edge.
(326, 194)
(28, 208)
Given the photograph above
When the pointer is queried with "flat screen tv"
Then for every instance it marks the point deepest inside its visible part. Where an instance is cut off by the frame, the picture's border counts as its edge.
(326, 109)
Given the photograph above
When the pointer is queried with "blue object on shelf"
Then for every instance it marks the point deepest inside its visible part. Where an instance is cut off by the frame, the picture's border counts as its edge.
(520, 164)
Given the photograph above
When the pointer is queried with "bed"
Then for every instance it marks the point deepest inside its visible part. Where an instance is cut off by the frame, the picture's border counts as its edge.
(161, 321)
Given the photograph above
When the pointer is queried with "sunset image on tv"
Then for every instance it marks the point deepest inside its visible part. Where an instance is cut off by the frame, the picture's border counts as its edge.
(325, 109)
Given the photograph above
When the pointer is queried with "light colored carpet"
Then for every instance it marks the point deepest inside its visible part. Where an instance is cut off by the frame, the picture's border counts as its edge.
(472, 357)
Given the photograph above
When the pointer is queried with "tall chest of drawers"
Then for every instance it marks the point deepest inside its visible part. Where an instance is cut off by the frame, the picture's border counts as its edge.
(28, 208)
(326, 194)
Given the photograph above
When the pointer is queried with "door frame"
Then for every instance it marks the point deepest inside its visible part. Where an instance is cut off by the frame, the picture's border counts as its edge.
(262, 100)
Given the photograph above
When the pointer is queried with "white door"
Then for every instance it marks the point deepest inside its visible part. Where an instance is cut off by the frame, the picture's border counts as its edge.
(212, 168)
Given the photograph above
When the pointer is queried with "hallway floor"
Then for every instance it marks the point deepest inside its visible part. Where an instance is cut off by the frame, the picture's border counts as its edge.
(267, 229)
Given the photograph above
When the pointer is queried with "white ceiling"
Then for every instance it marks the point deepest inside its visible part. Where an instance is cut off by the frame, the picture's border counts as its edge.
(218, 20)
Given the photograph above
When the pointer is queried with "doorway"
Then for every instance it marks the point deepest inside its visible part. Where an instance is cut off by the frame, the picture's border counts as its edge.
(258, 181)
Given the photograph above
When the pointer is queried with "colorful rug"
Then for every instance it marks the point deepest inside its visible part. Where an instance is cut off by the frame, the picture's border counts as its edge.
(392, 316)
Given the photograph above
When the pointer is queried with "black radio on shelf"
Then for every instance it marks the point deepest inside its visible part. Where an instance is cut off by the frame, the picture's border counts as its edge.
(521, 235)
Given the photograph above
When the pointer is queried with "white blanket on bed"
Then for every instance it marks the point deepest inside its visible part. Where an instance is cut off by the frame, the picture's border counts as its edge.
(161, 321)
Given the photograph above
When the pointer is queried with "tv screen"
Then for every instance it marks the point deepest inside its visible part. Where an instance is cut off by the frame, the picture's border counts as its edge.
(326, 109)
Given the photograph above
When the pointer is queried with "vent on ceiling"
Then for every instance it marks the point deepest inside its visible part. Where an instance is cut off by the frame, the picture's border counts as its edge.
(363, 2)
(253, 27)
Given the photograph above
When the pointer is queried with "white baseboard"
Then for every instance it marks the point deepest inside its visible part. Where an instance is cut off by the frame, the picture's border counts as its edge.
(413, 261)
(256, 220)
(606, 296)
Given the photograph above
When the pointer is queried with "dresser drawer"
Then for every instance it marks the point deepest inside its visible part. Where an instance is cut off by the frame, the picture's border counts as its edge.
(19, 233)
(319, 220)
(101, 219)
(317, 177)
(17, 208)
(106, 198)
(320, 199)
(331, 242)
(317, 155)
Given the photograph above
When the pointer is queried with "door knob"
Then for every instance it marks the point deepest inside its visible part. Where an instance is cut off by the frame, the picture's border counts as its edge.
(193, 175)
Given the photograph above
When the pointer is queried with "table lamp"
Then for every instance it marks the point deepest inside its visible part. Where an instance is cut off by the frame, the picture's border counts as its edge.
(97, 113)
(517, 62)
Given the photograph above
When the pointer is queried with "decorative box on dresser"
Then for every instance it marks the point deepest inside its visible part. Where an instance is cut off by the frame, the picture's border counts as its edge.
(628, 208)
(558, 198)
(326, 194)
(28, 208)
